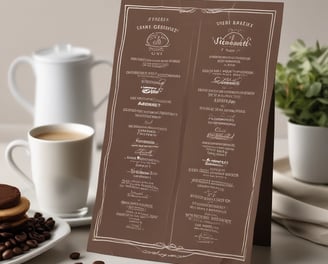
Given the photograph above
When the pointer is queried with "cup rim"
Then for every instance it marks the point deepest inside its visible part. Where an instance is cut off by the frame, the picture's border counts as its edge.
(52, 54)
(88, 131)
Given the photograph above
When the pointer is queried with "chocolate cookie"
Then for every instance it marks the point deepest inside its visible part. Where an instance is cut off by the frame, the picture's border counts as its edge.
(16, 212)
(9, 196)
(13, 225)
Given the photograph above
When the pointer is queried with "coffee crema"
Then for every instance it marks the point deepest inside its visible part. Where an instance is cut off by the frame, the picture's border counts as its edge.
(60, 135)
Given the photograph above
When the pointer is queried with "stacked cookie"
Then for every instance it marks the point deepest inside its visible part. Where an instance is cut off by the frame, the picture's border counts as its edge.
(18, 232)
(13, 208)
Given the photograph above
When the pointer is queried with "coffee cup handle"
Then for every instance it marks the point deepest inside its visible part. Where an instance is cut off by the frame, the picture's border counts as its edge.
(109, 64)
(12, 82)
(19, 143)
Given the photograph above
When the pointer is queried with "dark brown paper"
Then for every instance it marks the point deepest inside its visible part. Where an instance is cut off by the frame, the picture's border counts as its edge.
(186, 130)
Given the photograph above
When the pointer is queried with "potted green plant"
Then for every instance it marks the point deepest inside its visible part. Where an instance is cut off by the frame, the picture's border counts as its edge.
(301, 92)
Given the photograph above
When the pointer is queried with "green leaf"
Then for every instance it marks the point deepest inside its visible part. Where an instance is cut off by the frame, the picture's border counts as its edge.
(289, 112)
(324, 80)
(305, 115)
(323, 59)
(306, 66)
(323, 100)
(323, 120)
(318, 67)
(298, 45)
(325, 92)
(293, 65)
(314, 90)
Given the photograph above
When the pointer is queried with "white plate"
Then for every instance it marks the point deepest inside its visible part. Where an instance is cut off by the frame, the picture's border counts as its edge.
(296, 200)
(62, 229)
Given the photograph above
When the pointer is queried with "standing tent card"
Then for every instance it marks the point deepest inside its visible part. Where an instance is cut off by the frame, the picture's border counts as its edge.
(186, 130)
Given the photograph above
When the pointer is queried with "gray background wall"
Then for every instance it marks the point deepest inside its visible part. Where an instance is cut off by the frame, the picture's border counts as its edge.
(28, 25)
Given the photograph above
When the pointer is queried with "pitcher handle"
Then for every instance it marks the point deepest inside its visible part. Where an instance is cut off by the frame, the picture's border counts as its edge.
(109, 64)
(9, 156)
(12, 82)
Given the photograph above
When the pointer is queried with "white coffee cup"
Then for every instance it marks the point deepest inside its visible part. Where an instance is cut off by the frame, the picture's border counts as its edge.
(61, 157)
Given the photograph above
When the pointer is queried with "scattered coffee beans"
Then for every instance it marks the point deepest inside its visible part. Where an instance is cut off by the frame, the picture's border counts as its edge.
(17, 241)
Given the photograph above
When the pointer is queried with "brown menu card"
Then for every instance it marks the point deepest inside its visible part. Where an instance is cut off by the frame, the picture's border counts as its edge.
(186, 129)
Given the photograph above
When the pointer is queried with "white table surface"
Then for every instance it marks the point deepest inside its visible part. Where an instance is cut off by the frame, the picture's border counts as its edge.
(285, 248)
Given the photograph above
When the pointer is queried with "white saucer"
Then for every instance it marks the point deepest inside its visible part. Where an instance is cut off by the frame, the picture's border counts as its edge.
(74, 221)
(62, 229)
(81, 220)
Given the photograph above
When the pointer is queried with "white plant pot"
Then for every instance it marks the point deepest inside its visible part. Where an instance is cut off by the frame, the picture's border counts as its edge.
(308, 153)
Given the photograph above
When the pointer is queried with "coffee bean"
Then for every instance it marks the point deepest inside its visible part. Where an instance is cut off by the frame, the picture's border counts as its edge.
(37, 215)
(13, 241)
(2, 248)
(32, 243)
(36, 236)
(50, 223)
(8, 244)
(8, 254)
(6, 234)
(17, 251)
(40, 229)
(24, 247)
(21, 237)
(74, 255)
(41, 220)
(5, 226)
(47, 235)
(98, 262)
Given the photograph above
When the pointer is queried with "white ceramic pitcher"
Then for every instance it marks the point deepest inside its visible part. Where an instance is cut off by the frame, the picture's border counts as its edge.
(63, 85)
